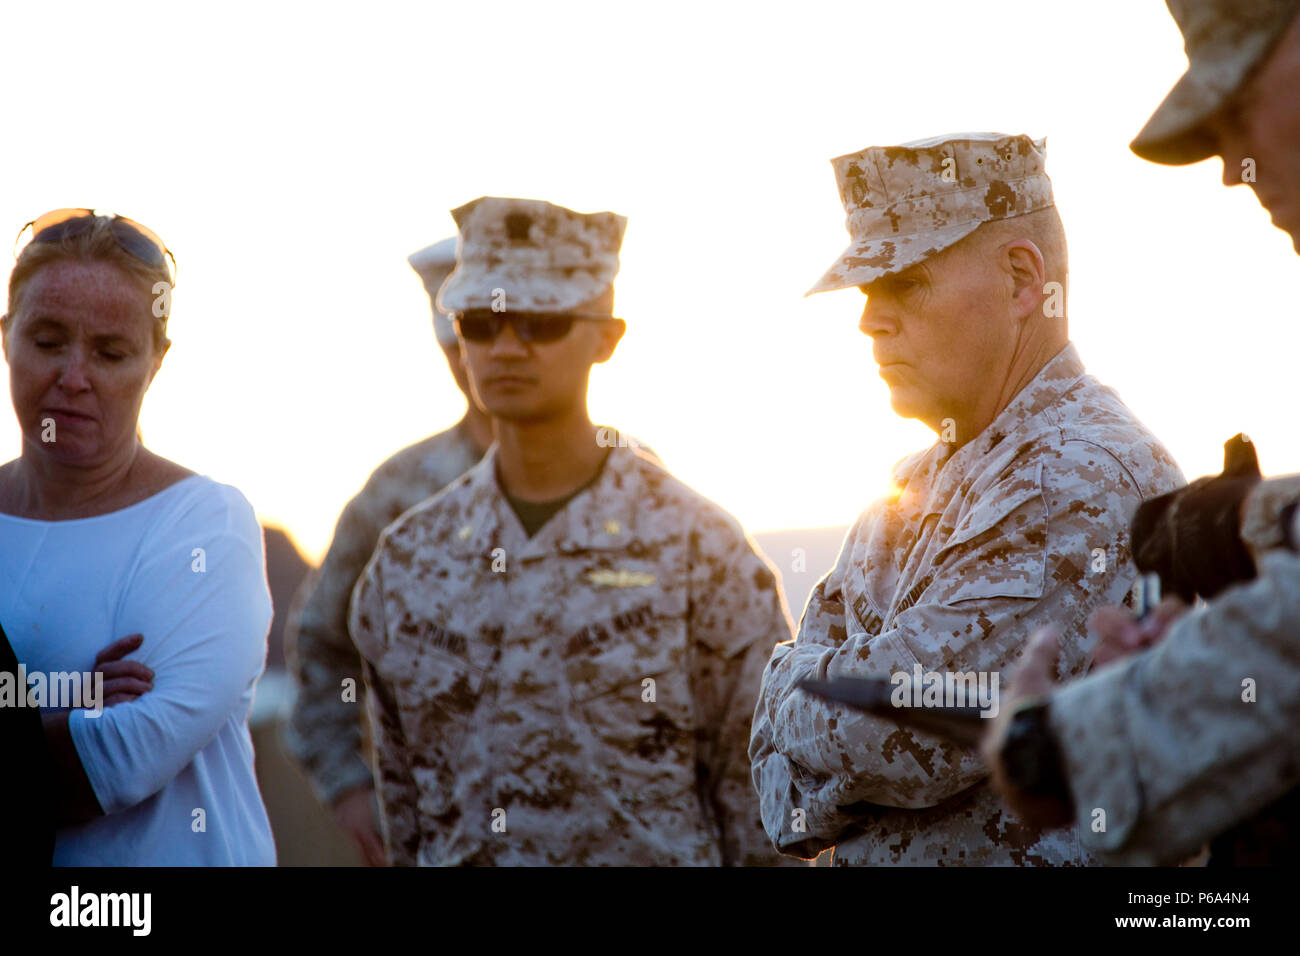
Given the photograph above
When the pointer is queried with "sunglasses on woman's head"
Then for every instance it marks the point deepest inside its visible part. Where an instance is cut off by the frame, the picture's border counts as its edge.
(530, 327)
(137, 240)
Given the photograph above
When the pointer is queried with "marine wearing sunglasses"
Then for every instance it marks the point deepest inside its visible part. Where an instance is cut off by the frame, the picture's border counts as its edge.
(484, 325)
(540, 372)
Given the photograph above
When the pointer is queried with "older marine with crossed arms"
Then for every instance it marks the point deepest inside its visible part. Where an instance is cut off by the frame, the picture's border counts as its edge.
(1016, 515)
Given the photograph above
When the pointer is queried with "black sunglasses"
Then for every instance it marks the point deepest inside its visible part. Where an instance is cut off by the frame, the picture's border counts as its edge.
(137, 240)
(529, 327)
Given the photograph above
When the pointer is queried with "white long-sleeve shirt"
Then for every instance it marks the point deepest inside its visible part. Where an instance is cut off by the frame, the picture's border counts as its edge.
(172, 769)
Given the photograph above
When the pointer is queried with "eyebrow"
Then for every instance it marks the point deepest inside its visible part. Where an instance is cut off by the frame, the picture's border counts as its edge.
(38, 322)
(46, 322)
(911, 272)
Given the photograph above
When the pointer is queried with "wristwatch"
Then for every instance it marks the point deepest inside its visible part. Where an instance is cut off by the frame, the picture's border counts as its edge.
(1031, 758)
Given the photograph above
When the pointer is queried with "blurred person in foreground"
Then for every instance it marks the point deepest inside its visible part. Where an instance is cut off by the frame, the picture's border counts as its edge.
(324, 732)
(100, 536)
(24, 808)
(1192, 739)
(1017, 514)
(562, 648)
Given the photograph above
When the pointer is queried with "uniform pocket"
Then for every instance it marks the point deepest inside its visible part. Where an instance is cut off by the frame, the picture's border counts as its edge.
(631, 697)
(440, 693)
(1005, 537)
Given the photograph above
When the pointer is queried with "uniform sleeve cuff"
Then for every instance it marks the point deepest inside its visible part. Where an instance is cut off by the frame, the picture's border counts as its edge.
(352, 776)
(791, 825)
(1090, 721)
(1262, 526)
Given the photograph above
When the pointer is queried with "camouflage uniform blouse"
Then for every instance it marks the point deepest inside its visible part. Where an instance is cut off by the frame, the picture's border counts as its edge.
(1022, 526)
(579, 697)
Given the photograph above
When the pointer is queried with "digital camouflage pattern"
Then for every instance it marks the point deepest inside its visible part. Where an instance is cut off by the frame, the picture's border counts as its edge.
(433, 264)
(581, 697)
(1171, 747)
(1025, 525)
(1225, 40)
(527, 255)
(906, 203)
(324, 730)
(1271, 515)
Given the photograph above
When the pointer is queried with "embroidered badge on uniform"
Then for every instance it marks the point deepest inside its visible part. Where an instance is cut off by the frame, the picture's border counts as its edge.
(606, 577)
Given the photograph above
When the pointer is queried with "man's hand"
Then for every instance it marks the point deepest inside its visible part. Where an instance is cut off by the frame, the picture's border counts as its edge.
(1032, 681)
(355, 813)
(123, 680)
(1122, 634)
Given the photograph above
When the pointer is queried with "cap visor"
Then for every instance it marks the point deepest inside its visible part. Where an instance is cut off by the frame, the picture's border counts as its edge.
(864, 262)
(1175, 135)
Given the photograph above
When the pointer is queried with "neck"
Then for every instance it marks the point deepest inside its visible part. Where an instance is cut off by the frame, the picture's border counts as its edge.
(479, 424)
(542, 461)
(52, 490)
(1028, 360)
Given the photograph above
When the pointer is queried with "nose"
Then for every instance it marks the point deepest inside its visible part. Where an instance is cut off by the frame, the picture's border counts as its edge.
(1232, 150)
(1231, 175)
(73, 377)
(507, 344)
(876, 317)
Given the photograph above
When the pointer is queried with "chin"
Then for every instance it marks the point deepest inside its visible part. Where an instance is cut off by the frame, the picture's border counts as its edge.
(68, 451)
(905, 404)
(516, 412)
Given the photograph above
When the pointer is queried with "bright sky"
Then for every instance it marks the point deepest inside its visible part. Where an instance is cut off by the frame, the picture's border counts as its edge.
(293, 156)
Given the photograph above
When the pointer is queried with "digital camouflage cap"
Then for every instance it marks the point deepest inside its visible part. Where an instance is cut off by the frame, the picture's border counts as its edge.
(526, 255)
(906, 203)
(433, 264)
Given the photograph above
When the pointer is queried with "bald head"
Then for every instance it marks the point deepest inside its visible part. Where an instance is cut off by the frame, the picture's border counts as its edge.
(1043, 228)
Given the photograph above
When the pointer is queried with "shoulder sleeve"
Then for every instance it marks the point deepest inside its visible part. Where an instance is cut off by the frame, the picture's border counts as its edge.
(775, 777)
(1268, 508)
(738, 616)
(394, 780)
(1168, 749)
(199, 597)
(324, 730)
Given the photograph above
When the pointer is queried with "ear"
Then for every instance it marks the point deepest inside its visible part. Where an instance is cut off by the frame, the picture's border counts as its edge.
(609, 334)
(1024, 263)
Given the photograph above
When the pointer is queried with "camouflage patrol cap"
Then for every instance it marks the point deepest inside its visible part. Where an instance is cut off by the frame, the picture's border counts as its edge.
(1225, 41)
(906, 203)
(434, 263)
(526, 255)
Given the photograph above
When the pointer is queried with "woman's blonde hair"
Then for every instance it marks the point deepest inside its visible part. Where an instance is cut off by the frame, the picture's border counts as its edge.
(96, 244)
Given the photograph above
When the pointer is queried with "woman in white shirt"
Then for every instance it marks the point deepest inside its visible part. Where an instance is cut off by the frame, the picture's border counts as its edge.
(99, 537)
